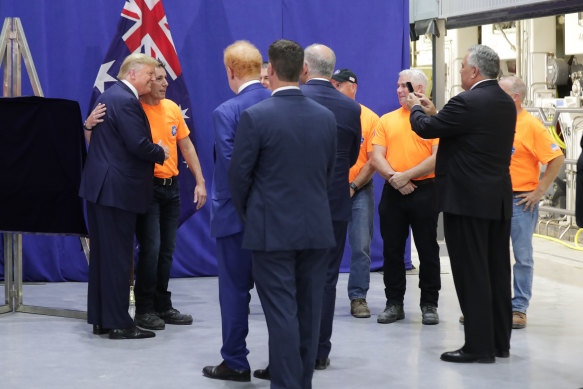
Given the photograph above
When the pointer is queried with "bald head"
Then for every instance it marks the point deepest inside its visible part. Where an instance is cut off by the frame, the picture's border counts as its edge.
(515, 88)
(319, 60)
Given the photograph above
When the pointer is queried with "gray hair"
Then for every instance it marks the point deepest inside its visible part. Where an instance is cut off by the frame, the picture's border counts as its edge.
(319, 64)
(417, 77)
(516, 86)
(485, 59)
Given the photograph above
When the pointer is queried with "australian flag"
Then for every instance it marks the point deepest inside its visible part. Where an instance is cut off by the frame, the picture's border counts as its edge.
(143, 28)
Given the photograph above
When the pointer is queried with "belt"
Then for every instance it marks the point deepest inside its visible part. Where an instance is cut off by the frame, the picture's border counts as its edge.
(521, 192)
(165, 181)
(423, 182)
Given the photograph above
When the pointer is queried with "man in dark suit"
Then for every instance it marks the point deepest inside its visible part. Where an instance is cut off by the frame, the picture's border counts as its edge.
(117, 184)
(476, 131)
(243, 64)
(283, 203)
(319, 65)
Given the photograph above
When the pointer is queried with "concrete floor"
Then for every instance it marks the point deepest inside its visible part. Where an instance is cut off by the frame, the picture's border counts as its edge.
(49, 352)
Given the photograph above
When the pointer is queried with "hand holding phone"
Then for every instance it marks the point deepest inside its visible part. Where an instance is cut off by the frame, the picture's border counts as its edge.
(410, 87)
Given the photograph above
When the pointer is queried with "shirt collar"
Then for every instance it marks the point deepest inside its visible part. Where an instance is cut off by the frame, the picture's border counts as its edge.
(284, 88)
(245, 85)
(133, 88)
(479, 82)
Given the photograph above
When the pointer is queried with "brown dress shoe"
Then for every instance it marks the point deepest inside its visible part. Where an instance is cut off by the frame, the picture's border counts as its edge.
(518, 320)
(223, 372)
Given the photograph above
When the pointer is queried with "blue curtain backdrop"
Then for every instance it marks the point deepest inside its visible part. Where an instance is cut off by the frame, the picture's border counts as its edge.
(68, 40)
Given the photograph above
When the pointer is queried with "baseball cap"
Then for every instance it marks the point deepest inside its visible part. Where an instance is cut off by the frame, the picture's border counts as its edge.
(342, 75)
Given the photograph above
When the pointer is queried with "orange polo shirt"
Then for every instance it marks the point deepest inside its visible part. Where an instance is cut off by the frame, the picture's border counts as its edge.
(368, 122)
(532, 144)
(405, 149)
(166, 124)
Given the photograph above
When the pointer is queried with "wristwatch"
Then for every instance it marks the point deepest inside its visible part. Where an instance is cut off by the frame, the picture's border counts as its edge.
(353, 186)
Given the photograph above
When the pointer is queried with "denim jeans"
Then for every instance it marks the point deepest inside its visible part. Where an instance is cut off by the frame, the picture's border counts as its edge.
(156, 235)
(360, 231)
(523, 226)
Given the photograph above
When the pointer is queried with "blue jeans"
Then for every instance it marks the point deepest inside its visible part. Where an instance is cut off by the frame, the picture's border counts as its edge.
(523, 226)
(156, 235)
(360, 231)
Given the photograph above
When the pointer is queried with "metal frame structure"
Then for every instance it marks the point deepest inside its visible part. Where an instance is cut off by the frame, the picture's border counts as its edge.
(569, 210)
(13, 46)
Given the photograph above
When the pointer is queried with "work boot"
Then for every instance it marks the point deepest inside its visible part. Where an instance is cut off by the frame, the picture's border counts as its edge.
(429, 314)
(359, 308)
(392, 313)
(518, 320)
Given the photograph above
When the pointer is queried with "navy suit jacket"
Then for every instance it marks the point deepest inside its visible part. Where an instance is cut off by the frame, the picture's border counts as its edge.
(120, 161)
(349, 133)
(476, 131)
(224, 219)
(280, 172)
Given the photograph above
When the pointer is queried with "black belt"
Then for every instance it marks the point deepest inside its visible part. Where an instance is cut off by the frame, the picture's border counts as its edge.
(423, 182)
(520, 192)
(165, 181)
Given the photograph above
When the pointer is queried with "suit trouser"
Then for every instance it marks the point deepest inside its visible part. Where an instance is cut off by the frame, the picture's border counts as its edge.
(112, 237)
(333, 258)
(397, 212)
(235, 282)
(289, 284)
(479, 251)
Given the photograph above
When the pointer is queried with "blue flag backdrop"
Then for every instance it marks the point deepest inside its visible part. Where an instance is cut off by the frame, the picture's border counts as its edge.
(73, 41)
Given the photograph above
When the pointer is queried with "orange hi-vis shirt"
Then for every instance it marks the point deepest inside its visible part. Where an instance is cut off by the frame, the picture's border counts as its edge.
(405, 149)
(167, 124)
(532, 144)
(368, 122)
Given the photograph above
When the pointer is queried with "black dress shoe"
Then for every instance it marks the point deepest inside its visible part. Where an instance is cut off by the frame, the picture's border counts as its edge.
(262, 374)
(173, 316)
(322, 364)
(502, 354)
(98, 330)
(130, 333)
(460, 356)
(223, 372)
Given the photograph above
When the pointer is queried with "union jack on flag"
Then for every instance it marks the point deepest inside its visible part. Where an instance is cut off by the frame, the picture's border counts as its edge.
(143, 27)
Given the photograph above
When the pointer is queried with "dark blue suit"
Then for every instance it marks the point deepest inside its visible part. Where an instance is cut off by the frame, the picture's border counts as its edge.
(280, 173)
(347, 113)
(234, 263)
(117, 184)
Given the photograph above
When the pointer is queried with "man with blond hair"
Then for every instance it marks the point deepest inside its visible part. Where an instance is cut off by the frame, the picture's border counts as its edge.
(156, 229)
(117, 184)
(243, 66)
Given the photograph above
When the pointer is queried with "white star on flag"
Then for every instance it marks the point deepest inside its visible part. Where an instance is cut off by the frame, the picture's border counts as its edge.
(183, 112)
(103, 76)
